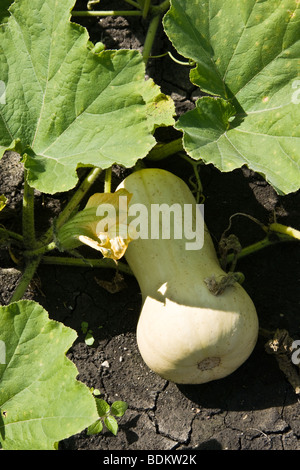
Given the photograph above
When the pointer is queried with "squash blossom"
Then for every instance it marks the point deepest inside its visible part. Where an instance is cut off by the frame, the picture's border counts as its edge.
(102, 225)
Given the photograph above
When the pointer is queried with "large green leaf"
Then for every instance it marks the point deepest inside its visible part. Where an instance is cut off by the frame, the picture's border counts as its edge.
(41, 401)
(67, 105)
(247, 54)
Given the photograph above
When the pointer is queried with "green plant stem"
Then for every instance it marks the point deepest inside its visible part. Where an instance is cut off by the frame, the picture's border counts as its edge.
(133, 3)
(161, 8)
(146, 8)
(73, 203)
(141, 3)
(107, 13)
(40, 251)
(94, 263)
(107, 180)
(28, 215)
(161, 151)
(25, 280)
(150, 37)
(180, 62)
(254, 247)
(7, 234)
(198, 187)
(78, 196)
(285, 230)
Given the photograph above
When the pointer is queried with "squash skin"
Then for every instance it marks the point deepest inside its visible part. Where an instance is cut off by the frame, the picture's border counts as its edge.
(185, 333)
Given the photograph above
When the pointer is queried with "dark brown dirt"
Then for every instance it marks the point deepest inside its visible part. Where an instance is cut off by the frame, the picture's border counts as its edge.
(253, 409)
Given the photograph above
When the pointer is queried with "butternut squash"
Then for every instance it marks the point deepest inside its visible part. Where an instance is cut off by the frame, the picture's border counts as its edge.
(185, 333)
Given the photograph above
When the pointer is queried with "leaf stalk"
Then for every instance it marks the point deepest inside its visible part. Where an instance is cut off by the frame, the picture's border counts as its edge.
(25, 280)
(107, 13)
(28, 215)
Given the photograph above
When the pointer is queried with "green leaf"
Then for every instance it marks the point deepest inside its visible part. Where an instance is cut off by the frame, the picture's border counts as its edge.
(111, 424)
(118, 408)
(102, 407)
(248, 56)
(89, 338)
(71, 106)
(84, 326)
(40, 399)
(160, 108)
(95, 428)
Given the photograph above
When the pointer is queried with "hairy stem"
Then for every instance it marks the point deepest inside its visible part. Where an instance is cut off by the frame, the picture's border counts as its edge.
(254, 247)
(28, 215)
(285, 230)
(150, 37)
(73, 203)
(161, 151)
(40, 251)
(133, 3)
(146, 8)
(25, 280)
(107, 13)
(86, 262)
(107, 180)
(7, 234)
(161, 8)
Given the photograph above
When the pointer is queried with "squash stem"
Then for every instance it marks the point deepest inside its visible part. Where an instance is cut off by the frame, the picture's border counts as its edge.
(107, 13)
(40, 251)
(285, 230)
(28, 214)
(161, 151)
(161, 8)
(133, 3)
(150, 37)
(8, 234)
(146, 8)
(180, 62)
(254, 247)
(25, 280)
(73, 203)
(107, 180)
(87, 262)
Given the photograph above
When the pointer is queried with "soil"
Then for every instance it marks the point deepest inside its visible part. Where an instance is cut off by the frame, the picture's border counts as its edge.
(255, 408)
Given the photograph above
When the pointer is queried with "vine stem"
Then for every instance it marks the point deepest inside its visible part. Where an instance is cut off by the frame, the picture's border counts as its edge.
(161, 151)
(40, 251)
(107, 13)
(107, 180)
(254, 247)
(133, 3)
(146, 8)
(161, 8)
(28, 215)
(6, 234)
(285, 230)
(150, 36)
(25, 280)
(157, 12)
(86, 262)
(73, 203)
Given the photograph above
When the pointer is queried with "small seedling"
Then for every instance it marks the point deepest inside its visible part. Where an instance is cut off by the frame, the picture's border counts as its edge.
(107, 416)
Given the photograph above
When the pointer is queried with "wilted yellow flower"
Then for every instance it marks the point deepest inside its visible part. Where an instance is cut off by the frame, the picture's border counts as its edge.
(102, 225)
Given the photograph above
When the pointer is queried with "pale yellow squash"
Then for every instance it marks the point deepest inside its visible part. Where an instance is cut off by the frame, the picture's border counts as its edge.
(185, 333)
